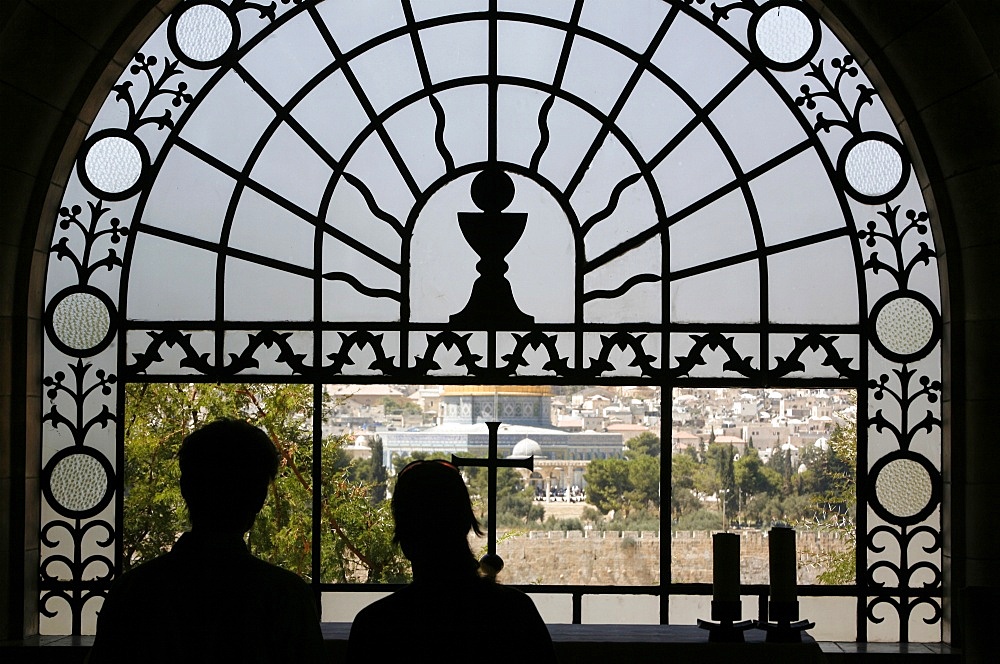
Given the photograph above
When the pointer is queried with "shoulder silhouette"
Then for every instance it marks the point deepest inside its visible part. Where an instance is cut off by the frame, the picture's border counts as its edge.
(450, 612)
(209, 599)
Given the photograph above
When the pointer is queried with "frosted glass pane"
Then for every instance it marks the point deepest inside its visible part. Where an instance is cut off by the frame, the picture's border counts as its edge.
(795, 200)
(555, 609)
(201, 210)
(634, 28)
(387, 72)
(756, 124)
(571, 132)
(229, 136)
(332, 114)
(601, 91)
(456, 51)
(696, 168)
(263, 228)
(687, 36)
(431, 8)
(517, 123)
(814, 284)
(528, 50)
(718, 231)
(615, 217)
(255, 292)
(352, 23)
(283, 66)
(653, 115)
(558, 9)
(170, 281)
(303, 185)
(374, 166)
(466, 129)
(728, 295)
(641, 302)
(414, 133)
(351, 215)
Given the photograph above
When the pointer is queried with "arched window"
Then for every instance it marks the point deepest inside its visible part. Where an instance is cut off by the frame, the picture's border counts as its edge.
(660, 192)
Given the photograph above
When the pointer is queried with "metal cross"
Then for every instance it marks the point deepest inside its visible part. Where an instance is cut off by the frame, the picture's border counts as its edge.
(491, 463)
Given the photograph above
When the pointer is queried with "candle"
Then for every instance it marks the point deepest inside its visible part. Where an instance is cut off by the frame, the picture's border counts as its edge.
(725, 567)
(782, 565)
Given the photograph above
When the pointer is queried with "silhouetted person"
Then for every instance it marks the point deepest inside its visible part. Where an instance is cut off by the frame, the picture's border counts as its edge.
(450, 612)
(208, 599)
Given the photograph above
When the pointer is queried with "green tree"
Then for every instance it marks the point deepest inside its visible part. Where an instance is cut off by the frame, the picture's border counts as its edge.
(646, 443)
(607, 484)
(356, 542)
(378, 474)
(840, 502)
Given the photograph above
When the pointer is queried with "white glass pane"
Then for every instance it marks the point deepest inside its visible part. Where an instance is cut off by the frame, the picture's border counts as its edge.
(332, 114)
(228, 136)
(283, 66)
(456, 50)
(728, 295)
(634, 28)
(720, 230)
(642, 302)
(615, 218)
(518, 135)
(387, 72)
(756, 124)
(289, 353)
(350, 214)
(302, 185)
(571, 132)
(431, 8)
(796, 199)
(170, 281)
(653, 115)
(266, 229)
(414, 133)
(375, 167)
(466, 130)
(528, 50)
(799, 284)
(352, 23)
(687, 36)
(202, 344)
(284, 296)
(601, 91)
(201, 210)
(693, 170)
(558, 9)
(555, 609)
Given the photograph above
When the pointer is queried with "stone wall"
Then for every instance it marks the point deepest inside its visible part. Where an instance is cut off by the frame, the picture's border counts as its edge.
(632, 558)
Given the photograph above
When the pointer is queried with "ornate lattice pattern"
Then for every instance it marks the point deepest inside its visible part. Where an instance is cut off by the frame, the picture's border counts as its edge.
(668, 192)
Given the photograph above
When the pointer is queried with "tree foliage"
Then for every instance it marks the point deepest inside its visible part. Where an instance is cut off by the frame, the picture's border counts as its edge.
(356, 532)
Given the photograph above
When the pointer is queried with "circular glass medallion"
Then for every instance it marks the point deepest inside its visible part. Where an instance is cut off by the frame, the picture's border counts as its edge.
(81, 320)
(78, 320)
(77, 482)
(873, 167)
(203, 33)
(904, 488)
(906, 326)
(112, 163)
(784, 34)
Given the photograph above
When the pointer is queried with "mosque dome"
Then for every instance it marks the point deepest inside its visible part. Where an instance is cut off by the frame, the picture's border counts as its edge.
(525, 448)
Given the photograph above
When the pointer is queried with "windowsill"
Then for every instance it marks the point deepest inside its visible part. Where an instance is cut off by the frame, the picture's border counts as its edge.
(583, 643)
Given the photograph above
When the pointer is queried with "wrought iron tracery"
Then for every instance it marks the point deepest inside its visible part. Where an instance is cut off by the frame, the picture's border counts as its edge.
(664, 258)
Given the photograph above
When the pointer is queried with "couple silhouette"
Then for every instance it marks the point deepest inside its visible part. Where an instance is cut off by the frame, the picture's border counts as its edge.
(209, 600)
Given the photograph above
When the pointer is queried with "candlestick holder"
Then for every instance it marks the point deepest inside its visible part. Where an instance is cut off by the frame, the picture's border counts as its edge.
(786, 626)
(729, 628)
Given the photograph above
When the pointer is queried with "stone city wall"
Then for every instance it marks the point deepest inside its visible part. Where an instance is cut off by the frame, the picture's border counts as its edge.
(632, 558)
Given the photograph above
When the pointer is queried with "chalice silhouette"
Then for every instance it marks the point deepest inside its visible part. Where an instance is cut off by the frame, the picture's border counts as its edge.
(492, 234)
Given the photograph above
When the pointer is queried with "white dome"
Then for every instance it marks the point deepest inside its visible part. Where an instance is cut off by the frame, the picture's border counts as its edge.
(525, 448)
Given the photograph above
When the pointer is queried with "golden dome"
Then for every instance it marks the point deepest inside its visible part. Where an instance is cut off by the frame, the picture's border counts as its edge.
(506, 390)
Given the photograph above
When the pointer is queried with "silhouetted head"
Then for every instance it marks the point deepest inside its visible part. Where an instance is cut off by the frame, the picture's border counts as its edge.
(433, 513)
(226, 468)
